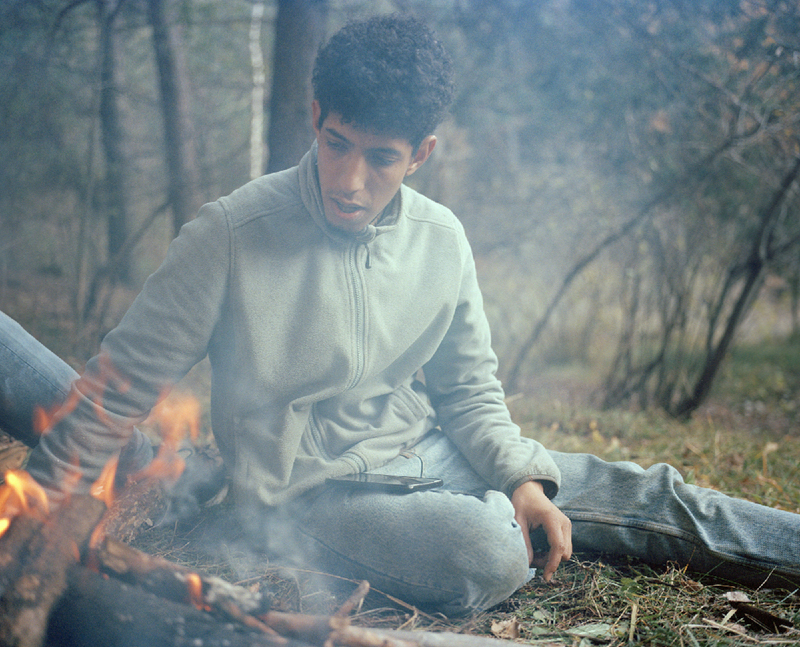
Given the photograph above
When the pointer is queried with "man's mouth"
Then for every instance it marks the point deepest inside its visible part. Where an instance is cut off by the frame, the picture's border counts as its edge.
(347, 207)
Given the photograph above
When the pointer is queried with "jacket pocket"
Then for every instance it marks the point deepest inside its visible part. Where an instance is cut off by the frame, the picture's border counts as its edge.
(414, 401)
(339, 424)
(316, 437)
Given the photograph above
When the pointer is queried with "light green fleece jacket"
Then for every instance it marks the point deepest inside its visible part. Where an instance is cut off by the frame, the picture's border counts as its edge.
(316, 337)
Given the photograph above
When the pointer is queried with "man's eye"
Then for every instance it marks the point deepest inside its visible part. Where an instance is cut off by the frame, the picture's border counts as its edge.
(336, 145)
(381, 160)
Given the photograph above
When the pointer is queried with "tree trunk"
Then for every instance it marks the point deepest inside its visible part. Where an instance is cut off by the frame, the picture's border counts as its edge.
(692, 177)
(178, 142)
(794, 302)
(257, 93)
(299, 30)
(111, 135)
(760, 254)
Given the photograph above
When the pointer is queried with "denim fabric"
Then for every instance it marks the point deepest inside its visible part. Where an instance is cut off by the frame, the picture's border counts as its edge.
(454, 549)
(652, 514)
(31, 376)
(459, 548)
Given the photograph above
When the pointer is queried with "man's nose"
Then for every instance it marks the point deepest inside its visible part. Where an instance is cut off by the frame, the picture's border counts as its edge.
(354, 174)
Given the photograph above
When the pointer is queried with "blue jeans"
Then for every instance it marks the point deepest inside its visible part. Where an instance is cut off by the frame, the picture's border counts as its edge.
(459, 548)
(31, 376)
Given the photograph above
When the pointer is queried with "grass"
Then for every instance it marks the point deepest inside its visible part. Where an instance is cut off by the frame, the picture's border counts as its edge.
(745, 441)
(631, 603)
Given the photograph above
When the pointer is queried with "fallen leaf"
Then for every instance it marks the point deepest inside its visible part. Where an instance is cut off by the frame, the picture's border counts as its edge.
(602, 631)
(508, 629)
(692, 586)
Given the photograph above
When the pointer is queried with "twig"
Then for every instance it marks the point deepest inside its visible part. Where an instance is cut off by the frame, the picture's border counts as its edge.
(355, 600)
(360, 637)
(634, 618)
(313, 629)
(731, 628)
(249, 621)
(170, 580)
(391, 598)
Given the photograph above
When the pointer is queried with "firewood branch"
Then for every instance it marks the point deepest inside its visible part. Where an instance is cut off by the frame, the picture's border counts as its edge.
(49, 598)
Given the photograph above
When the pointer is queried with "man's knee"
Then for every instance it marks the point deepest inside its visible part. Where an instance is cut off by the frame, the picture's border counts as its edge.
(492, 558)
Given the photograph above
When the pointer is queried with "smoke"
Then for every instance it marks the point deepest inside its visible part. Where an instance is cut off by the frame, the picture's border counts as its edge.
(202, 483)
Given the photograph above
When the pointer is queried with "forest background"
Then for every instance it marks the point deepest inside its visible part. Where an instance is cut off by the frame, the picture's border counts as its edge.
(626, 170)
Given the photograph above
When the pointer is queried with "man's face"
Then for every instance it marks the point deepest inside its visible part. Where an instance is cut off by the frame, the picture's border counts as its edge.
(360, 171)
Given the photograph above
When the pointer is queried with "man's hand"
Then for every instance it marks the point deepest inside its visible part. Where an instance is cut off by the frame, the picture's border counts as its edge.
(533, 509)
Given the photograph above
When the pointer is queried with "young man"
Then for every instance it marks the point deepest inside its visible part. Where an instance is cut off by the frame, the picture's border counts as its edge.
(321, 293)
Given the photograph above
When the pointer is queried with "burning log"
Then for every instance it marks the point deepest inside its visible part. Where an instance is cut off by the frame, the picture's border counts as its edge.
(104, 611)
(172, 581)
(134, 508)
(43, 551)
(50, 598)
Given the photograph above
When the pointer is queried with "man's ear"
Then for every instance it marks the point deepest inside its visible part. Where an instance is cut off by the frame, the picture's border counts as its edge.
(315, 112)
(423, 153)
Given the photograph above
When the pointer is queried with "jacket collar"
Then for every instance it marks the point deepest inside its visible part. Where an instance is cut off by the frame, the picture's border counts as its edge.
(312, 199)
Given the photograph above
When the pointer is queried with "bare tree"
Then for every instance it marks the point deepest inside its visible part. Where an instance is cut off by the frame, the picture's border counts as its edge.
(299, 30)
(178, 141)
(717, 138)
(111, 135)
(749, 276)
(257, 93)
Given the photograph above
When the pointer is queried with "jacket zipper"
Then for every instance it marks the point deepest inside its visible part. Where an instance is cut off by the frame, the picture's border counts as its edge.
(360, 315)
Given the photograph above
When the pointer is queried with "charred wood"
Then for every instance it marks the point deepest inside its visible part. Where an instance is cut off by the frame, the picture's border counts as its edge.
(98, 610)
(136, 506)
(172, 581)
(39, 577)
(49, 598)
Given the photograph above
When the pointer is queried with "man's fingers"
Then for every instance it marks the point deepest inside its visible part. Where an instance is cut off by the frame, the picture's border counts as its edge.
(553, 560)
(559, 536)
(534, 510)
(526, 536)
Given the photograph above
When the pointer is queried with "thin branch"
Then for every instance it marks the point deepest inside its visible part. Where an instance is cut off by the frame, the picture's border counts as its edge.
(692, 177)
(756, 265)
(109, 269)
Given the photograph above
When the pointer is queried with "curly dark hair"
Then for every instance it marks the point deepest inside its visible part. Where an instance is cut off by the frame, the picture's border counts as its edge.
(388, 74)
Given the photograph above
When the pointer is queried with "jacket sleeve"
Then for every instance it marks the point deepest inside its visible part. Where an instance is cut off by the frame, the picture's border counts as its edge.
(164, 333)
(469, 400)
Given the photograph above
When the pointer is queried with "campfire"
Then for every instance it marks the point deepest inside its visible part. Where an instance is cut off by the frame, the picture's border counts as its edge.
(67, 577)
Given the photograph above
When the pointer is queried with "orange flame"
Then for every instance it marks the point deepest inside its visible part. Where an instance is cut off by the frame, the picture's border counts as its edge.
(44, 419)
(15, 494)
(23, 485)
(92, 385)
(96, 538)
(195, 586)
(103, 487)
(176, 417)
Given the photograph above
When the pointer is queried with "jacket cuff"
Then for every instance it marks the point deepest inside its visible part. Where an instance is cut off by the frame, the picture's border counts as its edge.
(549, 484)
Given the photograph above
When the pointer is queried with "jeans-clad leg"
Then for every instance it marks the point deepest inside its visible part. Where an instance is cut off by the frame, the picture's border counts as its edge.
(31, 376)
(454, 550)
(458, 552)
(651, 514)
